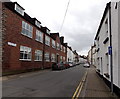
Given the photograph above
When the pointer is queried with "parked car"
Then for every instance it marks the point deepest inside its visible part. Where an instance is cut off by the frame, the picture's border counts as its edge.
(86, 65)
(58, 66)
(66, 64)
(71, 64)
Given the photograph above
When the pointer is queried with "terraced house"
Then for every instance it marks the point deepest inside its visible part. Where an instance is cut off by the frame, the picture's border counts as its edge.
(26, 43)
(108, 45)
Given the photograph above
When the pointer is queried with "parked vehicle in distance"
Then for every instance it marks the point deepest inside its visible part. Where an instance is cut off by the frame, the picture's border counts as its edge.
(86, 65)
(66, 64)
(71, 64)
(58, 66)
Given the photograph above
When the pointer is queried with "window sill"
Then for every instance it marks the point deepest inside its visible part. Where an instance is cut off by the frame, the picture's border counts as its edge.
(26, 35)
(38, 41)
(107, 75)
(25, 59)
(37, 60)
(47, 45)
(47, 61)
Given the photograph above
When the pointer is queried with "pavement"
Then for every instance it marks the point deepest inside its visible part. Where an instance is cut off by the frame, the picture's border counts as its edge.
(94, 86)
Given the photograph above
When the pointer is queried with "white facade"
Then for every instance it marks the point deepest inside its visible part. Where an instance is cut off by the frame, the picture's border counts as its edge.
(89, 56)
(102, 41)
(69, 55)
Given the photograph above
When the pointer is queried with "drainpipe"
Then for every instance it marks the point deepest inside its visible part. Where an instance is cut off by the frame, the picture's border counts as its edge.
(43, 57)
(111, 60)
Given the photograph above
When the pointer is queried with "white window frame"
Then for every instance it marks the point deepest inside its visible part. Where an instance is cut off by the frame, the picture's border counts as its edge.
(61, 58)
(19, 9)
(37, 24)
(38, 55)
(47, 40)
(64, 49)
(47, 57)
(58, 46)
(27, 27)
(26, 51)
(61, 47)
(39, 36)
(53, 58)
(53, 43)
(48, 32)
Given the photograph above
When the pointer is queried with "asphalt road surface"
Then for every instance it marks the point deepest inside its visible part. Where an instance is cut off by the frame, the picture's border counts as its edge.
(61, 83)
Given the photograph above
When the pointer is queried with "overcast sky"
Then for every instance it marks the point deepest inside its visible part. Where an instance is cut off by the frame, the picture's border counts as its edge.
(81, 23)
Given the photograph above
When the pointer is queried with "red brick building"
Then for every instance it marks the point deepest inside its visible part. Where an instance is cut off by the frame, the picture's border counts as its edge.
(26, 44)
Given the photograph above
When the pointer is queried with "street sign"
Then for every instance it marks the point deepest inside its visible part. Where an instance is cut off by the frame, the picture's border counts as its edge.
(110, 50)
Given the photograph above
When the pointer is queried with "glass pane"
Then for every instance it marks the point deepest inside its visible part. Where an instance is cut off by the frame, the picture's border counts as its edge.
(25, 56)
(21, 55)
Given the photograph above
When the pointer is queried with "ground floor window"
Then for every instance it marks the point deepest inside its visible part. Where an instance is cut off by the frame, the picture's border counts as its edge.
(53, 58)
(38, 55)
(63, 58)
(47, 57)
(60, 58)
(25, 53)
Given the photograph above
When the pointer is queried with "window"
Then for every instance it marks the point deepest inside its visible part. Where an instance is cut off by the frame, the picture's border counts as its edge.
(63, 58)
(19, 9)
(39, 36)
(37, 24)
(27, 29)
(53, 43)
(106, 25)
(48, 32)
(60, 58)
(53, 58)
(38, 55)
(64, 49)
(61, 48)
(58, 46)
(47, 57)
(47, 40)
(25, 53)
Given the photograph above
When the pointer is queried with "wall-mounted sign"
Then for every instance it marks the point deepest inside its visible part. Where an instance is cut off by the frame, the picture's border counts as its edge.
(12, 44)
(110, 50)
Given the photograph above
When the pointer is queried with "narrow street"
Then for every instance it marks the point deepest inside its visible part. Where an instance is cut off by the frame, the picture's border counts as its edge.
(61, 83)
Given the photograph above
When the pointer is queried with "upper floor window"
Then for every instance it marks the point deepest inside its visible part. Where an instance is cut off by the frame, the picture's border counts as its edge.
(47, 40)
(61, 47)
(48, 31)
(53, 43)
(47, 57)
(38, 55)
(37, 23)
(106, 26)
(58, 46)
(27, 29)
(25, 53)
(64, 49)
(39, 36)
(19, 9)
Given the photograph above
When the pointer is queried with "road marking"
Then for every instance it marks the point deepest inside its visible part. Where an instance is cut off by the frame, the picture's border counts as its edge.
(79, 88)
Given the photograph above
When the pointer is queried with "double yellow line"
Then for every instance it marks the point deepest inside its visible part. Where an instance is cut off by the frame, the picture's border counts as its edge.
(79, 88)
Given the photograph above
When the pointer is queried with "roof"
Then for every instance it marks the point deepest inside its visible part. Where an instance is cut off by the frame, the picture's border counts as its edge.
(11, 6)
(104, 14)
(54, 35)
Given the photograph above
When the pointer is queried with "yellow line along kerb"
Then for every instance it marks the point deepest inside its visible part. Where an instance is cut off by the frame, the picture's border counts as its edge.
(79, 88)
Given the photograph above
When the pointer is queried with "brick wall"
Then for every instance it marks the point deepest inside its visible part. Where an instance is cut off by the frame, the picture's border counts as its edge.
(1, 31)
(12, 33)
(12, 27)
